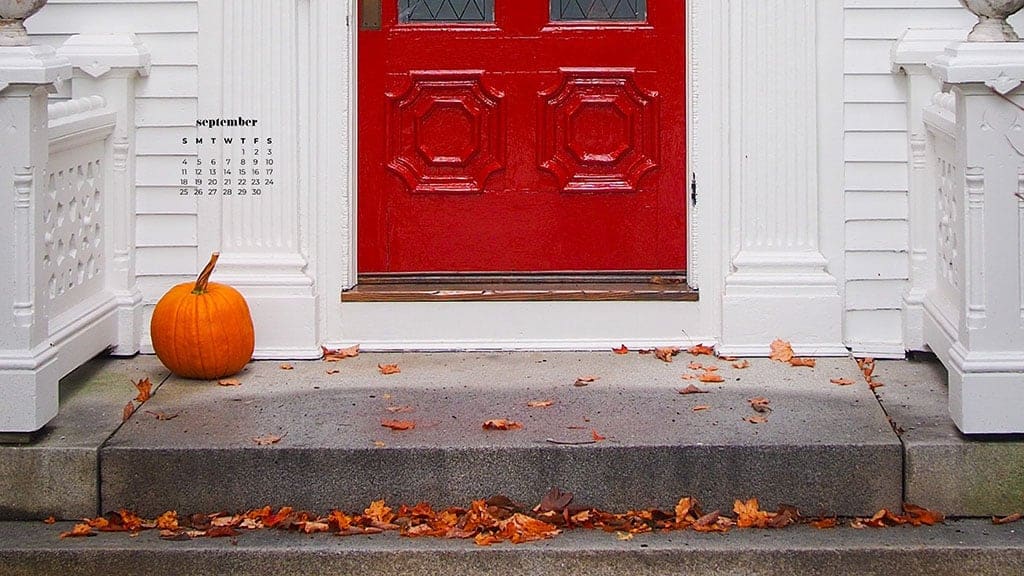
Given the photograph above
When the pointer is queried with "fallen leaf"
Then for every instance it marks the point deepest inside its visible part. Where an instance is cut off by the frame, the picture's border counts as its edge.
(50, 520)
(145, 388)
(624, 535)
(387, 369)
(666, 354)
(742, 364)
(379, 444)
(749, 514)
(756, 419)
(398, 424)
(163, 416)
(221, 532)
(287, 366)
(760, 404)
(711, 377)
(78, 531)
(340, 353)
(540, 403)
(597, 437)
(689, 376)
(782, 351)
(554, 501)
(167, 521)
(806, 362)
(502, 424)
(917, 515)
(229, 382)
(825, 523)
(584, 380)
(333, 371)
(875, 384)
(701, 408)
(400, 409)
(701, 350)
(841, 381)
(621, 350)
(267, 440)
(691, 389)
(694, 365)
(129, 409)
(1007, 519)
(310, 527)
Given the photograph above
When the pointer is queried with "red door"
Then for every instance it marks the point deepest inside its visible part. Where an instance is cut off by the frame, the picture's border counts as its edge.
(522, 136)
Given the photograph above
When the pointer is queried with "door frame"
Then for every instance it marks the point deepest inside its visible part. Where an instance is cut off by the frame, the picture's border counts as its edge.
(714, 36)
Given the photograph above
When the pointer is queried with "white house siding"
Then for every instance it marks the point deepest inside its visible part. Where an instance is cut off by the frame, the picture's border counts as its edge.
(876, 149)
(166, 103)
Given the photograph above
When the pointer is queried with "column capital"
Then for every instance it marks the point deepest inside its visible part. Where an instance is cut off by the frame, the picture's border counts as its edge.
(100, 54)
(32, 65)
(998, 65)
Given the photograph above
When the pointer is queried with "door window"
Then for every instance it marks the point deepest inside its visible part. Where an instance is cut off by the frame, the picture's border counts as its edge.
(615, 10)
(420, 11)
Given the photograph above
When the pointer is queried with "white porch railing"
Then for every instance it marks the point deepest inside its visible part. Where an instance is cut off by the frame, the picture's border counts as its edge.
(67, 177)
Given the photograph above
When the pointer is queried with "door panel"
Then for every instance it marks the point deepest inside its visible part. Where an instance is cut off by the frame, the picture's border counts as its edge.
(522, 136)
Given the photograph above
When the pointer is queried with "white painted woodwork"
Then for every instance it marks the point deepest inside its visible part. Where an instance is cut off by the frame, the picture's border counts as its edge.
(974, 313)
(783, 282)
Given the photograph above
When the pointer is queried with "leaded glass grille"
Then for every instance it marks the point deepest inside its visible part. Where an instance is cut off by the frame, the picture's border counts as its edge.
(617, 10)
(413, 11)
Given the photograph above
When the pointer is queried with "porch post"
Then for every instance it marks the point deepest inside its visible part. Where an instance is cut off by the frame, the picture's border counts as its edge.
(29, 371)
(107, 65)
(975, 325)
(780, 283)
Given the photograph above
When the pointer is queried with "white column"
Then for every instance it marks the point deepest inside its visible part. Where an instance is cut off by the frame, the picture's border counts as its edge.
(249, 68)
(977, 330)
(107, 65)
(29, 371)
(780, 284)
(911, 56)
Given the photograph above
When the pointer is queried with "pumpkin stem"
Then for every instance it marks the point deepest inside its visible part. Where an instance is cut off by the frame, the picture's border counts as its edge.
(204, 276)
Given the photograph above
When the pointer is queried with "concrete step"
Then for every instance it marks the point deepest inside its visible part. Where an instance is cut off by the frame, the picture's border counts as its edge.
(824, 448)
(973, 547)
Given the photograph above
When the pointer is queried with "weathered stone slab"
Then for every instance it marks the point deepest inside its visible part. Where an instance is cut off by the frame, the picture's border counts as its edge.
(57, 473)
(946, 470)
(824, 448)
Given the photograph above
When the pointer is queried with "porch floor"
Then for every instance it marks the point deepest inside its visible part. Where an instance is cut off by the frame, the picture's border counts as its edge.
(826, 449)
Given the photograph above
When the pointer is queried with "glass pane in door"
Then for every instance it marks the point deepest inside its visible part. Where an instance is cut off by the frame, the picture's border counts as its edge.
(614, 10)
(420, 11)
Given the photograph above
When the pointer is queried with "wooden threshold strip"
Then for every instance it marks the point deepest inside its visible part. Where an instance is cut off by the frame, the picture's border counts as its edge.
(521, 288)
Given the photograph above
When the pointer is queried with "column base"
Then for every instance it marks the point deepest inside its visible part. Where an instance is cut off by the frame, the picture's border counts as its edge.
(29, 395)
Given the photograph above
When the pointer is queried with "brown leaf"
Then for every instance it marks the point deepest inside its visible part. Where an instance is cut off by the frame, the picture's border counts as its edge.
(554, 501)
(309, 527)
(221, 532)
(666, 354)
(129, 409)
(621, 350)
(806, 362)
(689, 376)
(379, 444)
(333, 371)
(502, 424)
(701, 350)
(691, 389)
(286, 366)
(398, 424)
(162, 416)
(145, 388)
(540, 403)
(624, 535)
(50, 520)
(875, 384)
(400, 409)
(597, 437)
(841, 381)
(387, 369)
(711, 377)
(340, 353)
(694, 365)
(760, 404)
(1007, 519)
(782, 351)
(756, 419)
(749, 514)
(267, 440)
(825, 523)
(917, 515)
(584, 380)
(742, 364)
(700, 408)
(229, 382)
(78, 531)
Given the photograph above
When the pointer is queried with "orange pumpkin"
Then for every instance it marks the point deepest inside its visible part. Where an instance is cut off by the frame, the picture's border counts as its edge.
(203, 330)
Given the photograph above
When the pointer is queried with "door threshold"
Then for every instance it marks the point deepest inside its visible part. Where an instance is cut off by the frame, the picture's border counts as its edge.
(521, 288)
